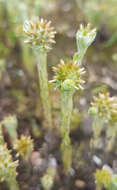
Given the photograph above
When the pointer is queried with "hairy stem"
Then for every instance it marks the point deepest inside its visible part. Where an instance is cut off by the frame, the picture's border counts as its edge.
(44, 89)
(97, 127)
(13, 185)
(111, 134)
(66, 113)
(81, 51)
(1, 136)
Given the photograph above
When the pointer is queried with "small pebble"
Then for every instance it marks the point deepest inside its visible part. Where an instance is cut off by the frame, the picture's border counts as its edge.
(97, 160)
(80, 184)
(35, 159)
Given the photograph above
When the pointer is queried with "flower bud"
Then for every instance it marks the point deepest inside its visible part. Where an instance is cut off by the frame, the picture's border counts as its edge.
(84, 37)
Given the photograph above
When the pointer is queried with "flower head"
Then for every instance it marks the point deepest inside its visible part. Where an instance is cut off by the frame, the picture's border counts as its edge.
(24, 146)
(102, 178)
(68, 77)
(39, 33)
(7, 165)
(104, 107)
(85, 36)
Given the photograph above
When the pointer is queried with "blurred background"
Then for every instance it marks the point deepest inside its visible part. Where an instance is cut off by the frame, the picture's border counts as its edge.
(19, 91)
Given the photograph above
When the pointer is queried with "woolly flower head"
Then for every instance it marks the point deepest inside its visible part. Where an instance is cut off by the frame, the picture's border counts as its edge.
(39, 33)
(85, 36)
(68, 77)
(24, 146)
(104, 107)
(102, 178)
(7, 165)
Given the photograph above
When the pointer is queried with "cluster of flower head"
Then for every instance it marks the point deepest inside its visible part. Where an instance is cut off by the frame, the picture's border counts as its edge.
(7, 165)
(68, 77)
(104, 107)
(24, 146)
(85, 36)
(39, 33)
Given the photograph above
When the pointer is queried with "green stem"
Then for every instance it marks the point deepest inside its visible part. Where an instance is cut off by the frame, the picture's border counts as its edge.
(44, 89)
(13, 185)
(81, 51)
(111, 134)
(66, 113)
(1, 136)
(97, 128)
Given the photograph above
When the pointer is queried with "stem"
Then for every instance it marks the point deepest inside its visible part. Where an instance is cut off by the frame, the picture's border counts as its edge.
(81, 51)
(13, 185)
(44, 89)
(1, 136)
(66, 113)
(97, 127)
(111, 137)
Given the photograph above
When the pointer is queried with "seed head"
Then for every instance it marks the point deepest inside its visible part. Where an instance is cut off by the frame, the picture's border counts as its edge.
(24, 146)
(7, 165)
(104, 107)
(68, 77)
(39, 34)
